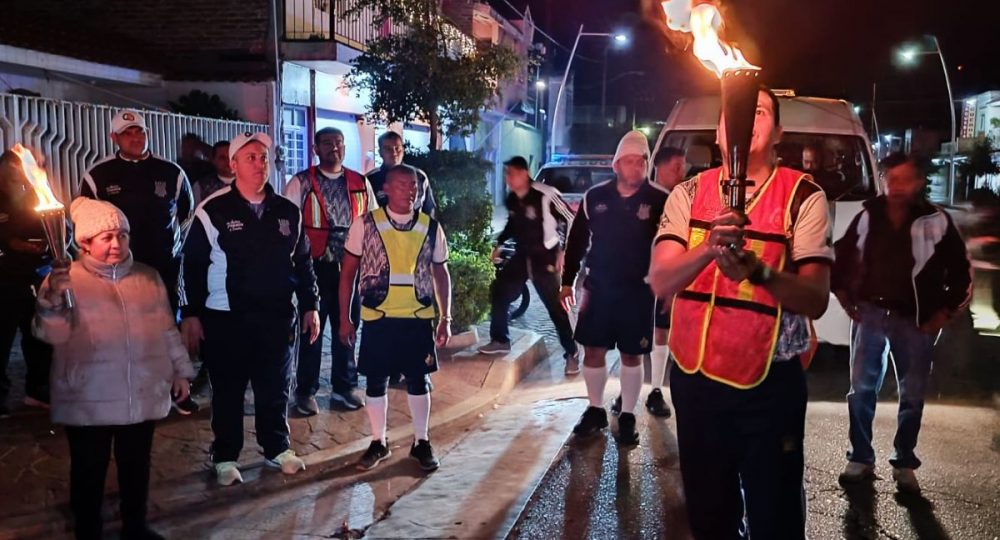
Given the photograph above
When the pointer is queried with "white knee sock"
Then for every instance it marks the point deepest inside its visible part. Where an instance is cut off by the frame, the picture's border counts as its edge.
(420, 410)
(658, 364)
(631, 381)
(595, 378)
(378, 409)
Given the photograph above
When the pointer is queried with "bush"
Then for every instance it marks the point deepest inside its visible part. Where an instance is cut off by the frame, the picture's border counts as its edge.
(465, 210)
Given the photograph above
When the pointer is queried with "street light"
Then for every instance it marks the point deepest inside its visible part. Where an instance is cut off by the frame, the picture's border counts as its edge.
(908, 56)
(540, 84)
(619, 38)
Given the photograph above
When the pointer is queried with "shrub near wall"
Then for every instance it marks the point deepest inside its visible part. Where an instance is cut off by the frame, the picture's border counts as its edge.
(465, 211)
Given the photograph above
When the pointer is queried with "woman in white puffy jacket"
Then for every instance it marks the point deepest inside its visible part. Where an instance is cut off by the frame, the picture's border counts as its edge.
(118, 360)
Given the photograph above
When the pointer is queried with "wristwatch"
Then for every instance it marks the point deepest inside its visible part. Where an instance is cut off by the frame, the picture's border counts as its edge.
(761, 274)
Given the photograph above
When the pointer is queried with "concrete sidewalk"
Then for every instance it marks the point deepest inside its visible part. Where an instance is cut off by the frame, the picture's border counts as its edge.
(34, 462)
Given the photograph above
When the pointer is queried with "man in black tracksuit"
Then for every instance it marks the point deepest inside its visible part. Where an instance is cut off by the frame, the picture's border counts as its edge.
(153, 193)
(392, 152)
(244, 258)
(537, 219)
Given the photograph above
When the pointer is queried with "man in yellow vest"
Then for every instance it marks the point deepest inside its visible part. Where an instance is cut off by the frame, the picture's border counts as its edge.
(402, 257)
(331, 197)
(739, 334)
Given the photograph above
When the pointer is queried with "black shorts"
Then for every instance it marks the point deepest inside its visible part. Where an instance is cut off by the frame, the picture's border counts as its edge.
(390, 346)
(661, 314)
(620, 320)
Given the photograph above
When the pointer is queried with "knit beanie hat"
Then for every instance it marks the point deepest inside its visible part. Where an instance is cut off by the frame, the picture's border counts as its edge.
(634, 143)
(92, 217)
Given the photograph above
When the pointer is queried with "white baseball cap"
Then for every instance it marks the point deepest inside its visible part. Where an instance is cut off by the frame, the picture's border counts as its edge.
(246, 138)
(126, 119)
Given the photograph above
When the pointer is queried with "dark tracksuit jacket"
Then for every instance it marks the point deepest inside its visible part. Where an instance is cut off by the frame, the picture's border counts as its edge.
(937, 269)
(155, 196)
(425, 196)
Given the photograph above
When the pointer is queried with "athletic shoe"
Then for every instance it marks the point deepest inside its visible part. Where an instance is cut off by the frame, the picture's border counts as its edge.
(656, 405)
(36, 402)
(306, 405)
(287, 462)
(424, 454)
(856, 472)
(227, 473)
(627, 435)
(616, 407)
(572, 364)
(906, 480)
(348, 400)
(594, 419)
(376, 453)
(495, 347)
(186, 407)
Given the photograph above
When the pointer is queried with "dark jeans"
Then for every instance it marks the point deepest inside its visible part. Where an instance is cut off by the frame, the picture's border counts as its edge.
(90, 450)
(17, 311)
(741, 450)
(877, 334)
(344, 372)
(243, 349)
(507, 287)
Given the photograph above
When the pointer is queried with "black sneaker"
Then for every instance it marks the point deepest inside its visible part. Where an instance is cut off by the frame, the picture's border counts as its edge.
(186, 407)
(594, 419)
(424, 454)
(627, 435)
(376, 453)
(656, 405)
(616, 407)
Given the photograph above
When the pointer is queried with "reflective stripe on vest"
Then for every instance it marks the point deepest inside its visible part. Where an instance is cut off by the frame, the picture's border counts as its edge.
(314, 220)
(727, 330)
(402, 249)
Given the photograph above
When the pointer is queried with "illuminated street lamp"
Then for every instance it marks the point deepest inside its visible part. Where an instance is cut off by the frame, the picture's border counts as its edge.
(618, 40)
(907, 56)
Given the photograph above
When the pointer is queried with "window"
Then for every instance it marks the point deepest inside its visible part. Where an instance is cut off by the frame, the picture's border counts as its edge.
(294, 132)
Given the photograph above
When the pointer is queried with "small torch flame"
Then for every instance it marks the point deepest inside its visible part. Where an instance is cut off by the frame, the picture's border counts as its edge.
(38, 178)
(703, 22)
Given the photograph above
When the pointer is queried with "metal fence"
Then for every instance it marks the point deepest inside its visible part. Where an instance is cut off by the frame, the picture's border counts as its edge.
(73, 136)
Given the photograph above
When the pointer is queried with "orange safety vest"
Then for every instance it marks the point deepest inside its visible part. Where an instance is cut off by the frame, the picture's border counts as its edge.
(727, 330)
(314, 210)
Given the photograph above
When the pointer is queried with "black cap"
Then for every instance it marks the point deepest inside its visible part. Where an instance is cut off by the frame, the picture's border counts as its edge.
(517, 162)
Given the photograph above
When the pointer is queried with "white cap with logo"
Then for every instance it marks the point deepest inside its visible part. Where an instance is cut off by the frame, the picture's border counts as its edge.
(126, 119)
(246, 138)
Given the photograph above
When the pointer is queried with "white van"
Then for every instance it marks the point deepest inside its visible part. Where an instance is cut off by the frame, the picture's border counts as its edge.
(822, 136)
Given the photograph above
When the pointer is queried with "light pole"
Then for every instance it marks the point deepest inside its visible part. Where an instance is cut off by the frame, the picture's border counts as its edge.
(562, 85)
(908, 56)
(619, 40)
(539, 87)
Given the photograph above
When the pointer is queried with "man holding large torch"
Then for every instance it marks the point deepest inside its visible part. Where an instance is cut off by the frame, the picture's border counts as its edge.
(746, 284)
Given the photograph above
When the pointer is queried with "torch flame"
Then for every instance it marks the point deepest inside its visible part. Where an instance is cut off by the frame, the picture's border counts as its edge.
(38, 178)
(703, 22)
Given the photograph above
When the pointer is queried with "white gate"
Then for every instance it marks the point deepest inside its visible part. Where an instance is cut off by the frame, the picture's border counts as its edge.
(73, 136)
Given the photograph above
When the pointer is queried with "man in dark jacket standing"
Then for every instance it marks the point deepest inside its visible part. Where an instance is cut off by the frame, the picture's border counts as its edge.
(899, 301)
(153, 193)
(392, 152)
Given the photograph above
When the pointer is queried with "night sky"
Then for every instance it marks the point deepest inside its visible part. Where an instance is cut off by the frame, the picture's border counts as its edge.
(829, 48)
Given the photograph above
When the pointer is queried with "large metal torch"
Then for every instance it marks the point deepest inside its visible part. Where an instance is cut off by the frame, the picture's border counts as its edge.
(51, 212)
(740, 88)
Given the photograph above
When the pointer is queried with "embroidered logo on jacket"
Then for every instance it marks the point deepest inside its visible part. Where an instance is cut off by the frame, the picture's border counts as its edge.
(160, 188)
(529, 213)
(601, 208)
(284, 227)
(234, 225)
(643, 213)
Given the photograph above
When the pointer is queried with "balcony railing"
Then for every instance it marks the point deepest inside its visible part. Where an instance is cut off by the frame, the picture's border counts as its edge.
(326, 20)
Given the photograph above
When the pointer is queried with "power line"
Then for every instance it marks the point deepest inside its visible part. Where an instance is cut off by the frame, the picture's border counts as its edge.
(546, 35)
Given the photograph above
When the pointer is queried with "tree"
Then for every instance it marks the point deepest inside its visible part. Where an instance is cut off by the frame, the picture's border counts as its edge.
(424, 72)
(978, 163)
(198, 103)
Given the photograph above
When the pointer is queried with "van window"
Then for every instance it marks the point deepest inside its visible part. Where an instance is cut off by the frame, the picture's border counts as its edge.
(574, 179)
(839, 163)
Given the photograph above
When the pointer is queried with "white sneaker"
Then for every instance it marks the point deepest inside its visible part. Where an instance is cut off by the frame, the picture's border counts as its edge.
(227, 473)
(856, 472)
(287, 461)
(906, 480)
